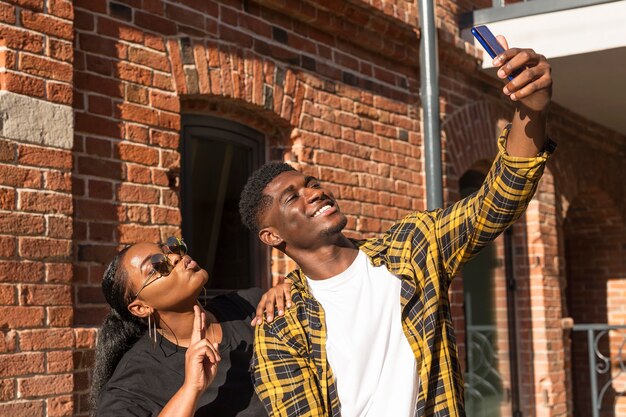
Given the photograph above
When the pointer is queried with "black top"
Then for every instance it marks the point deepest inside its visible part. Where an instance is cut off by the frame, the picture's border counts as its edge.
(149, 375)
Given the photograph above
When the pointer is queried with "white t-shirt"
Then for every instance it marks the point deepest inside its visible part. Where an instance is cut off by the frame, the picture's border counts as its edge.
(371, 358)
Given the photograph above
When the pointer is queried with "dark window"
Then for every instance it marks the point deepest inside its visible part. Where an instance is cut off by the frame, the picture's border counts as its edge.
(217, 157)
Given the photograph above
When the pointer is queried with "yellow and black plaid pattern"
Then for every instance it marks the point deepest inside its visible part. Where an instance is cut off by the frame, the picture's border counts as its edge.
(426, 249)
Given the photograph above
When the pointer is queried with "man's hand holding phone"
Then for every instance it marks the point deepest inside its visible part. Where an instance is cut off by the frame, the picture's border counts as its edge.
(529, 74)
(529, 85)
(532, 87)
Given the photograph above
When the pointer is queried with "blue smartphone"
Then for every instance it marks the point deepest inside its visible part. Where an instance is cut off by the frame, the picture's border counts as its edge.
(491, 45)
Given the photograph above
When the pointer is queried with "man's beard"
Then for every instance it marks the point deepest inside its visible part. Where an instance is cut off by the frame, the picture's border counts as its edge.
(330, 231)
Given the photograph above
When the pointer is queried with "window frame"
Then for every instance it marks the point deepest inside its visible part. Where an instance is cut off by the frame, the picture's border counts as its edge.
(228, 131)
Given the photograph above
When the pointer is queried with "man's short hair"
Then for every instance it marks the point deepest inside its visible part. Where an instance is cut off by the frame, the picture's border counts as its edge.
(253, 203)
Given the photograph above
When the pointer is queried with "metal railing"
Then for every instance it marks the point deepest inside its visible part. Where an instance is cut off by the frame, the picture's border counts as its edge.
(611, 365)
(483, 382)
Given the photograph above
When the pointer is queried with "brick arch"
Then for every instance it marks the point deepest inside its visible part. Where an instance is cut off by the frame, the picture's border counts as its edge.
(267, 94)
(470, 136)
(276, 131)
(238, 84)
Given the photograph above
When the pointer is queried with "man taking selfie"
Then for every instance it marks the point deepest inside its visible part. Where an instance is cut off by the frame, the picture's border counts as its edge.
(369, 332)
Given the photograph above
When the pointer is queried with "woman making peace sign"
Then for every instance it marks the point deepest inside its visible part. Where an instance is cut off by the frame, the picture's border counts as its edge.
(159, 353)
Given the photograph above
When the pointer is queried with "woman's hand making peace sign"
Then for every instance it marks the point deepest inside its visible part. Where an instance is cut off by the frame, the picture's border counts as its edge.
(201, 361)
(202, 357)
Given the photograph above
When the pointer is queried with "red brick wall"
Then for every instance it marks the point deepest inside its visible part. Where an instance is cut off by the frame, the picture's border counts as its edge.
(36, 339)
(38, 57)
(36, 334)
(333, 86)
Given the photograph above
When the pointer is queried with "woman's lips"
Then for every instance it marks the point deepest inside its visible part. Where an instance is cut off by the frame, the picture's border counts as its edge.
(192, 265)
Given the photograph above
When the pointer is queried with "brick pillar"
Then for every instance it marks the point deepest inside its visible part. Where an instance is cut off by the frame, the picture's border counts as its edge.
(594, 240)
(36, 136)
(545, 305)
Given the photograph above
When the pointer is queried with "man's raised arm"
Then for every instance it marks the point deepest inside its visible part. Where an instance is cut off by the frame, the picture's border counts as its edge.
(468, 225)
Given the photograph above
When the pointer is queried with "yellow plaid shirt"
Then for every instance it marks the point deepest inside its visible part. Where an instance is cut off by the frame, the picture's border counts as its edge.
(426, 249)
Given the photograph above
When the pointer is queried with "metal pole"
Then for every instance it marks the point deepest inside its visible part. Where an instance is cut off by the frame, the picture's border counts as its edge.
(429, 93)
(594, 376)
(511, 309)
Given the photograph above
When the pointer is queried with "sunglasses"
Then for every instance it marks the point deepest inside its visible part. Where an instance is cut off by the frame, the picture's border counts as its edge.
(161, 263)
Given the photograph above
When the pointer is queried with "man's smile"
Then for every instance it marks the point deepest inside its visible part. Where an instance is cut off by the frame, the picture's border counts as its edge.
(326, 207)
(322, 210)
